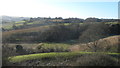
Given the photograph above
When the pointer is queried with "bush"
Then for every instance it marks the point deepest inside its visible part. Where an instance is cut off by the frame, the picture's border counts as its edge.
(7, 52)
(20, 50)
(96, 60)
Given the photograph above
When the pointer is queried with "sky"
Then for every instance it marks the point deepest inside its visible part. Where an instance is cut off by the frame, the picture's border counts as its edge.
(60, 8)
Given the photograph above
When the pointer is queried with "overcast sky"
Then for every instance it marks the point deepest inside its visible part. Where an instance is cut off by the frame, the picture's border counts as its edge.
(60, 8)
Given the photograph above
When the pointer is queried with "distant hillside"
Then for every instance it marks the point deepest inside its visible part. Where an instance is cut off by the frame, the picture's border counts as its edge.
(6, 19)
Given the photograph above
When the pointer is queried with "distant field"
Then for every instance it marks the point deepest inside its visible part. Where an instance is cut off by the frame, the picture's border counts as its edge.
(112, 23)
(71, 23)
(8, 25)
(20, 23)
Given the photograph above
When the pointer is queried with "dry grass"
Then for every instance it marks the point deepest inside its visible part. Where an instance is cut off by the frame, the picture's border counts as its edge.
(109, 42)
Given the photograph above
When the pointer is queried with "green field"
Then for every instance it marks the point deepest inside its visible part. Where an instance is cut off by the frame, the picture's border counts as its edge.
(112, 23)
(20, 22)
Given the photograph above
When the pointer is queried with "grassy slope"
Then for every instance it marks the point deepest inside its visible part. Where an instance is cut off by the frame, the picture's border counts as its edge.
(52, 55)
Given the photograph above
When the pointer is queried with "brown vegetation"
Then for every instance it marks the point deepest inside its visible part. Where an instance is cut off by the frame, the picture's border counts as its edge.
(102, 44)
(34, 29)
